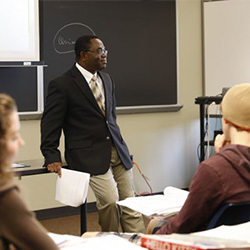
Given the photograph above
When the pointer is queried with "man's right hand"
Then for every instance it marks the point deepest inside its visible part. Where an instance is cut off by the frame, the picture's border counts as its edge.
(55, 167)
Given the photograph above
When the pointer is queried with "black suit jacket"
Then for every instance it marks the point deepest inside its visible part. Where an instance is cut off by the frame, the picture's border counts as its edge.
(70, 106)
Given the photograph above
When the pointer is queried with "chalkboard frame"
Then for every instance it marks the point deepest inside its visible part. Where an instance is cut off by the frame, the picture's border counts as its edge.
(67, 22)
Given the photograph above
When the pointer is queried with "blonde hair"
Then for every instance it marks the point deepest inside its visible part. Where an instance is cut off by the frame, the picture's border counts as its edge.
(236, 106)
(7, 107)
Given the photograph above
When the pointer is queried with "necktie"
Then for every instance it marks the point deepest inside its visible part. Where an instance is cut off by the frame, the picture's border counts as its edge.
(97, 93)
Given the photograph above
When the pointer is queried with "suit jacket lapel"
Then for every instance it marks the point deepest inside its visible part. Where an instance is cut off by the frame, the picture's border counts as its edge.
(107, 92)
(84, 87)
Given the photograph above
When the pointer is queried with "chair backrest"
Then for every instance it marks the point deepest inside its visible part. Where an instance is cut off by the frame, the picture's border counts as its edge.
(231, 214)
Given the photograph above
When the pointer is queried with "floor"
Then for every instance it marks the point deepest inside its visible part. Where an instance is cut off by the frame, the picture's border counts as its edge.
(71, 224)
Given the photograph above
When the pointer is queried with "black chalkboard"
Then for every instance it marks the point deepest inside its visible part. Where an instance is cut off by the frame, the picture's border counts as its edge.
(140, 36)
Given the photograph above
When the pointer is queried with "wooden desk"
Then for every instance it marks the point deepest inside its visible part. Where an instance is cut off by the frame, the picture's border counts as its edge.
(36, 168)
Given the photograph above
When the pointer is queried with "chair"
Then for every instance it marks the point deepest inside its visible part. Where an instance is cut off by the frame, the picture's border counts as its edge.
(231, 214)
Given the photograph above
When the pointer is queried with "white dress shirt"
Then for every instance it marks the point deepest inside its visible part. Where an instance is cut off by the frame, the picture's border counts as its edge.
(88, 76)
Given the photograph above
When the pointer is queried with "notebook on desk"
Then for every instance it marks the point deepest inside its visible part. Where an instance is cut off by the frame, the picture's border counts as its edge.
(160, 205)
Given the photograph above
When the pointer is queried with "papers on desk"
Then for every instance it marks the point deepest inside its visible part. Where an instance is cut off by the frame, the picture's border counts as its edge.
(109, 242)
(240, 232)
(223, 237)
(165, 205)
(72, 187)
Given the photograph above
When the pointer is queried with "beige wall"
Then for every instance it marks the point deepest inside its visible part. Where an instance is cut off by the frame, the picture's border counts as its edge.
(164, 144)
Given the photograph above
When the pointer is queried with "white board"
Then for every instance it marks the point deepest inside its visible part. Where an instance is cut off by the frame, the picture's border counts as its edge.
(19, 29)
(226, 44)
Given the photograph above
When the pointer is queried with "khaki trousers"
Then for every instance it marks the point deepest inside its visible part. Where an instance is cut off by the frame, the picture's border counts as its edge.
(116, 184)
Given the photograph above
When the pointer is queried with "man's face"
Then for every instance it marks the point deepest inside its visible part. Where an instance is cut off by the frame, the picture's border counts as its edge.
(96, 57)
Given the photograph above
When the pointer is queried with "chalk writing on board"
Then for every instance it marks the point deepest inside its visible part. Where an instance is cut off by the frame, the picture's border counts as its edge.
(66, 36)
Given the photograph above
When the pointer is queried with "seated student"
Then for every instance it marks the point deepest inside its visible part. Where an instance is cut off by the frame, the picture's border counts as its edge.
(18, 227)
(224, 177)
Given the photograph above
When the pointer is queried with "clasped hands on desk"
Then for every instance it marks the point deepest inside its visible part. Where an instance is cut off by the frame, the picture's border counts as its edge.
(36, 167)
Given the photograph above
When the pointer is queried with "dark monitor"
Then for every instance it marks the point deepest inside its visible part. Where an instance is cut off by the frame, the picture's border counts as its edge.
(25, 85)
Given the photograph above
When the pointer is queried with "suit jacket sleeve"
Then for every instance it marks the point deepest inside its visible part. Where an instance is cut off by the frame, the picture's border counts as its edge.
(52, 122)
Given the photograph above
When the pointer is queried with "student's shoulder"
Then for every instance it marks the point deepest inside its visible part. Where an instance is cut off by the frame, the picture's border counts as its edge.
(213, 166)
(10, 198)
(225, 155)
(219, 162)
(6, 186)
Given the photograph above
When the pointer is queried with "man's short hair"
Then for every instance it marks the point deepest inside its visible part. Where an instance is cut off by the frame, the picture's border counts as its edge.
(83, 44)
(236, 106)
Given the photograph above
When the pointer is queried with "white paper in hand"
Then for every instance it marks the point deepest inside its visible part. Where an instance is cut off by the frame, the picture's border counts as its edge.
(72, 187)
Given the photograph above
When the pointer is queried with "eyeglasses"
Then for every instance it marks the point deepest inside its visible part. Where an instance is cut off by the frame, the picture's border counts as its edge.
(99, 51)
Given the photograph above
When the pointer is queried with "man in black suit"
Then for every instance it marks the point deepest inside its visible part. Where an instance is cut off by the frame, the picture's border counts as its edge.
(93, 142)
